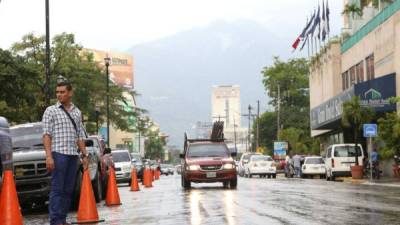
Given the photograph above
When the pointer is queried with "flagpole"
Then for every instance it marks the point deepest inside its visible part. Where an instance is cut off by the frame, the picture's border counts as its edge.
(308, 48)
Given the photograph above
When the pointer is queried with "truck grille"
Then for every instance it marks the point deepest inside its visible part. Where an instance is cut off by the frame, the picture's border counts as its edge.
(31, 169)
(211, 167)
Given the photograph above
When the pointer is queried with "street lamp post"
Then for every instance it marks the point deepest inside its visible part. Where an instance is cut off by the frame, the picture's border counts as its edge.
(97, 119)
(47, 66)
(107, 63)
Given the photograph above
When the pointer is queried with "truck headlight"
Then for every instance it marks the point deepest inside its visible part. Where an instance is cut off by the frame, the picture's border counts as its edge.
(228, 166)
(193, 167)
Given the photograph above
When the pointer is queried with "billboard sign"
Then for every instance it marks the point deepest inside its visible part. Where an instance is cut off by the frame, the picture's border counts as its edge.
(280, 149)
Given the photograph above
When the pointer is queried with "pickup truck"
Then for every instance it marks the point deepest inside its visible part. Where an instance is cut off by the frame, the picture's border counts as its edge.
(32, 177)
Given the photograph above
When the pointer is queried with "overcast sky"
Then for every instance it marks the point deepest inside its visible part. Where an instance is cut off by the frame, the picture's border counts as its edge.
(120, 24)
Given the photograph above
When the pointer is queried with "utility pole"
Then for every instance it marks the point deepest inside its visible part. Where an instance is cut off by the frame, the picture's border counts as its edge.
(248, 132)
(234, 132)
(278, 120)
(258, 125)
(47, 66)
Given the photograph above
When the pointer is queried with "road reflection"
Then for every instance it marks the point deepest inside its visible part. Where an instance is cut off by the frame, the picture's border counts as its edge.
(194, 199)
(229, 200)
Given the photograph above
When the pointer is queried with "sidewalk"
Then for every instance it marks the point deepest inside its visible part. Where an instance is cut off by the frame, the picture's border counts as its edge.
(385, 181)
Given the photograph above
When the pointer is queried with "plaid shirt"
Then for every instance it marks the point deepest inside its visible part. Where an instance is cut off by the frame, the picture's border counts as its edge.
(57, 124)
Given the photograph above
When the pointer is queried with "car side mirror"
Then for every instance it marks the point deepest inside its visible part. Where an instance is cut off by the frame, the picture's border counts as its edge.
(89, 143)
(133, 160)
(181, 155)
(233, 154)
(107, 150)
(245, 161)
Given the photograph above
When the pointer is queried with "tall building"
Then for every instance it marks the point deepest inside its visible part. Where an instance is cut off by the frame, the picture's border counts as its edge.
(121, 74)
(225, 106)
(365, 63)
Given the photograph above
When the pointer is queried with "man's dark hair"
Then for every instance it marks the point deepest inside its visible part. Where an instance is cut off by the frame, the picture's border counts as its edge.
(66, 84)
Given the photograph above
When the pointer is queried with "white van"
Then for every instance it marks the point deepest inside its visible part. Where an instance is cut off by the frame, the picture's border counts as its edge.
(339, 158)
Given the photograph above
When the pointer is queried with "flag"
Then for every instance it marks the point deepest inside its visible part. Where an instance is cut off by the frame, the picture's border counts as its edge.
(303, 33)
(323, 21)
(315, 24)
(327, 17)
(304, 42)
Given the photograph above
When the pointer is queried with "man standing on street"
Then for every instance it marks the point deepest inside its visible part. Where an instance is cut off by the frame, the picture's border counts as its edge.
(297, 165)
(62, 135)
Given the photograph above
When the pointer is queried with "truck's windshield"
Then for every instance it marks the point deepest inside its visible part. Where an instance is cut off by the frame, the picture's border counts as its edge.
(207, 150)
(26, 137)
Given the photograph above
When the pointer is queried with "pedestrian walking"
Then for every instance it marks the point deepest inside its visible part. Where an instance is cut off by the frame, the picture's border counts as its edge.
(297, 165)
(63, 139)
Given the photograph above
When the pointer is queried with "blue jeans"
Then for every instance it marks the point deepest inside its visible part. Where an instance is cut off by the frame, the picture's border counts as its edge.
(62, 186)
(298, 171)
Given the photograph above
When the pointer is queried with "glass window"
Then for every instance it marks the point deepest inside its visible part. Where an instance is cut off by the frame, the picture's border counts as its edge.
(370, 67)
(121, 156)
(352, 76)
(344, 80)
(360, 72)
(26, 137)
(346, 151)
(208, 150)
(256, 158)
(314, 161)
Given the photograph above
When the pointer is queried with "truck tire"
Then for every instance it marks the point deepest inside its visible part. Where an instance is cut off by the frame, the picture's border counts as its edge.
(97, 188)
(233, 183)
(185, 183)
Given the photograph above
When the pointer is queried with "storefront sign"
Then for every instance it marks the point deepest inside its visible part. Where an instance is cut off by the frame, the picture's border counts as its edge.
(376, 93)
(330, 110)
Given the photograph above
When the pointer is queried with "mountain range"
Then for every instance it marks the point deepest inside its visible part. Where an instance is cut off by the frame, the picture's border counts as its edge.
(174, 75)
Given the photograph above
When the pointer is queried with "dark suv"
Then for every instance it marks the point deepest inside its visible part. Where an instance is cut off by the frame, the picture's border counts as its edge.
(5, 148)
(208, 161)
(32, 177)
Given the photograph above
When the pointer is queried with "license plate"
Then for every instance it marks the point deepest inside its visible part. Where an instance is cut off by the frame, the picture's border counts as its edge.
(211, 174)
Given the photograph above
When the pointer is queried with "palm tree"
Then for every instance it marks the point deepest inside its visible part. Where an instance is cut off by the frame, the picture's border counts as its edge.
(354, 116)
(351, 9)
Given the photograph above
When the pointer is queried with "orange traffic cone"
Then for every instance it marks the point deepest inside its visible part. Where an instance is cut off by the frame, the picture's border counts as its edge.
(10, 213)
(148, 178)
(134, 181)
(87, 211)
(112, 196)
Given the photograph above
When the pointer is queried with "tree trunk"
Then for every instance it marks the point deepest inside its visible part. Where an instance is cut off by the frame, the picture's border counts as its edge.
(355, 145)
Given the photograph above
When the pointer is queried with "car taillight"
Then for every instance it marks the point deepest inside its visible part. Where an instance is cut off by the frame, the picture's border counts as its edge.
(333, 163)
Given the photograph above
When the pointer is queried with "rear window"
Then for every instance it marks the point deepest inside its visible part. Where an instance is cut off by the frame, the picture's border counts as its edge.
(314, 161)
(120, 156)
(256, 158)
(207, 150)
(346, 151)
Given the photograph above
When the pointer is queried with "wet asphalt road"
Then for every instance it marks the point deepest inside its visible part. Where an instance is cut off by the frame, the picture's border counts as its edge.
(255, 201)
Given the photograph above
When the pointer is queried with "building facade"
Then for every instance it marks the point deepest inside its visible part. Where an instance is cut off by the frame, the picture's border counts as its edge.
(366, 64)
(225, 106)
(120, 73)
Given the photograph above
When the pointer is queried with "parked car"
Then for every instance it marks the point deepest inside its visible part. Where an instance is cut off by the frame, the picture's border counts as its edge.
(313, 165)
(6, 159)
(137, 162)
(207, 161)
(104, 160)
(339, 158)
(244, 159)
(167, 169)
(31, 175)
(123, 165)
(261, 165)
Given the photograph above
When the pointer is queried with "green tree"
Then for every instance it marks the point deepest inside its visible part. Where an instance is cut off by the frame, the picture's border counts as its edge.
(291, 78)
(389, 133)
(154, 145)
(267, 126)
(68, 60)
(354, 116)
(351, 10)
